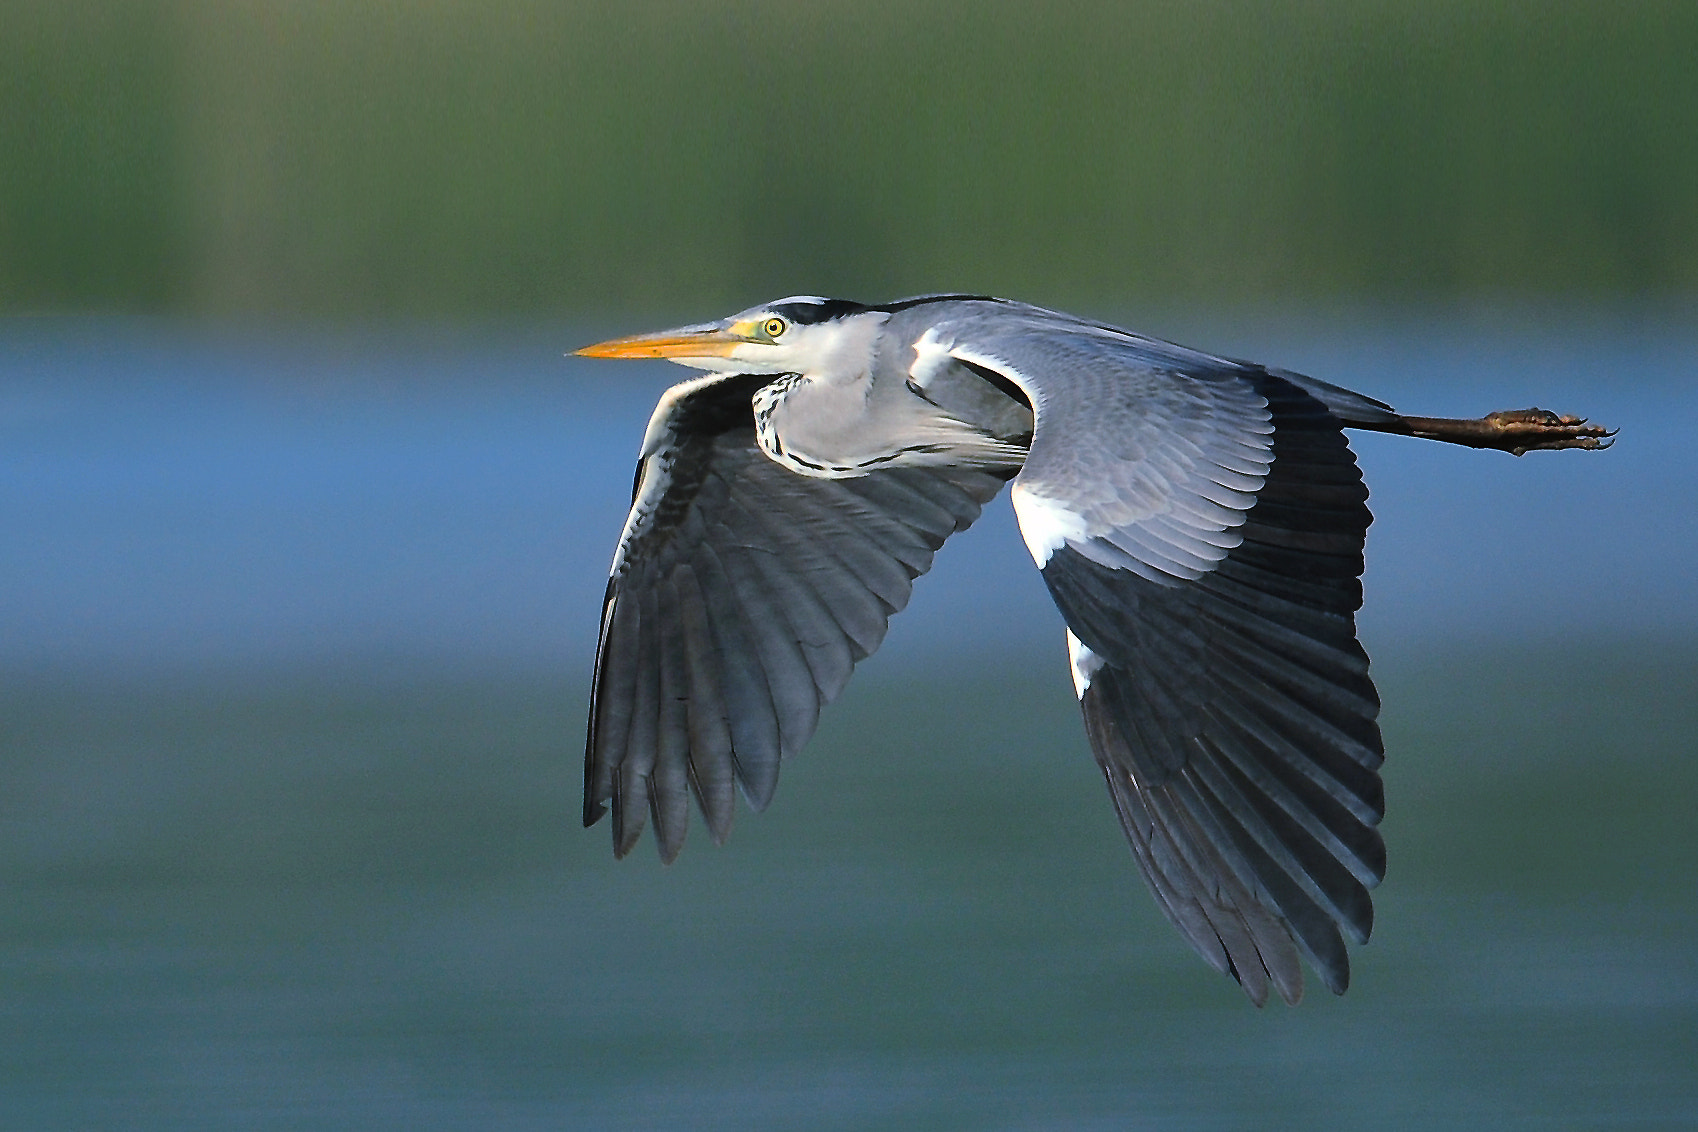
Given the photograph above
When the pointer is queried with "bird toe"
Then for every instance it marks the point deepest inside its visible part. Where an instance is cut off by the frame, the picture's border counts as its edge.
(1529, 430)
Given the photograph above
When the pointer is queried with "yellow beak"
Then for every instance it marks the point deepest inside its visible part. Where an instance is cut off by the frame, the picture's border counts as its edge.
(708, 342)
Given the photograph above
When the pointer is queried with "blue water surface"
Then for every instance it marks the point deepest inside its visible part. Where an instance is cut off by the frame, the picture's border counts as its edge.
(188, 498)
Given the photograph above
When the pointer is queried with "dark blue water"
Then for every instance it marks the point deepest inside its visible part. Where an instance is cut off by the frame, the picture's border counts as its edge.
(297, 625)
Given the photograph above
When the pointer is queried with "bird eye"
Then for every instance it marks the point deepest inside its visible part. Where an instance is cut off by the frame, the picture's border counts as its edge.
(773, 327)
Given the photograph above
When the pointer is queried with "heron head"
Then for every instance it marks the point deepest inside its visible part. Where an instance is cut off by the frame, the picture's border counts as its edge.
(800, 334)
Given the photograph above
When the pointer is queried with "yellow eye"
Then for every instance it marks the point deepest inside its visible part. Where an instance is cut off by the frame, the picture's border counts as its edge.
(773, 327)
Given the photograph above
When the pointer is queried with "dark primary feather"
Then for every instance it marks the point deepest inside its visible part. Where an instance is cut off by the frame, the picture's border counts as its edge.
(741, 599)
(1234, 719)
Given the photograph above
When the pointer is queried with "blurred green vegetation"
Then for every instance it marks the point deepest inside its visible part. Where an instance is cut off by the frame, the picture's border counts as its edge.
(445, 157)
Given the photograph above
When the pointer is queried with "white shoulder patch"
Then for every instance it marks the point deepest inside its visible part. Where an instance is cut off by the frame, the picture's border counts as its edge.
(1085, 663)
(1045, 523)
(931, 355)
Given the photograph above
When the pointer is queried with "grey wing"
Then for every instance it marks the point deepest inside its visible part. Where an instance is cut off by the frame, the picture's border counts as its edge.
(1145, 456)
(741, 598)
(1200, 525)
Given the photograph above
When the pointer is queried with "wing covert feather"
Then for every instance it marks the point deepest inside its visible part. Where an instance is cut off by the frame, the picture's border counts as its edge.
(1144, 457)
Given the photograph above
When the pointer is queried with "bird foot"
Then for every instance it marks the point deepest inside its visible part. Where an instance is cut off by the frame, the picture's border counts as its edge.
(1515, 431)
(1525, 430)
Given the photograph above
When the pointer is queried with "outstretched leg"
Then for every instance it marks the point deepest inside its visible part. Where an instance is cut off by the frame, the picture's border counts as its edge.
(1513, 430)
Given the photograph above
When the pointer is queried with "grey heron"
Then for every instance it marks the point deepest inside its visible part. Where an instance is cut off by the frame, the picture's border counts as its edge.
(1200, 525)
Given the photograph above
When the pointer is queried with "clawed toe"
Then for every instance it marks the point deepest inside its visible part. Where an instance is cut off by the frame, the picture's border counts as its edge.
(1529, 430)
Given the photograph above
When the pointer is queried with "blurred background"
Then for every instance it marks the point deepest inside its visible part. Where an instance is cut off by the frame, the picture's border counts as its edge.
(305, 517)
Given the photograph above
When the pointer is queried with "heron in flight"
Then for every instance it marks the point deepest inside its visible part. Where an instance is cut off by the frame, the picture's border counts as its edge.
(1198, 521)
